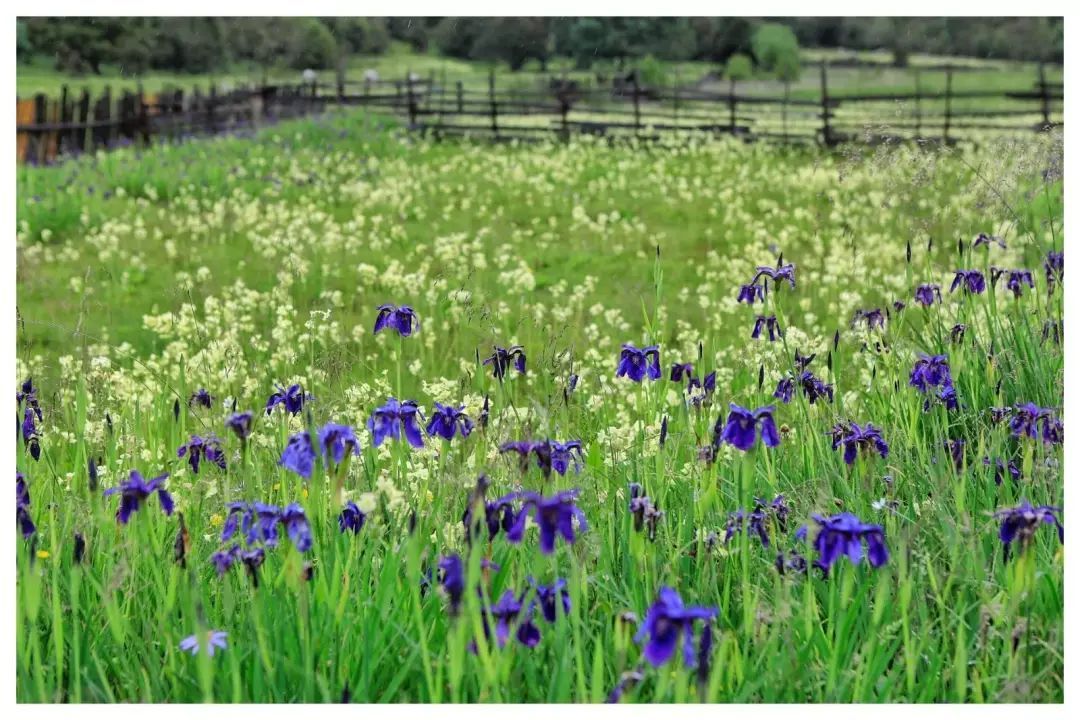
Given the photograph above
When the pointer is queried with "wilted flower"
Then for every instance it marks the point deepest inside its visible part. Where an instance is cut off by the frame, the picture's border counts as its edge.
(1016, 279)
(198, 448)
(1003, 467)
(135, 490)
(501, 359)
(681, 370)
(637, 363)
(972, 281)
(741, 427)
(667, 621)
(925, 294)
(447, 420)
(873, 318)
(253, 560)
(1018, 524)
(769, 323)
(292, 399)
(956, 449)
(956, 334)
(22, 506)
(394, 417)
(1053, 329)
(399, 318)
(844, 534)
(1055, 268)
(626, 681)
(646, 515)
(987, 240)
(212, 640)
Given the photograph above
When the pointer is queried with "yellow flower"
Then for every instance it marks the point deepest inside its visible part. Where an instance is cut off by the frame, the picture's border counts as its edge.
(43, 554)
(216, 519)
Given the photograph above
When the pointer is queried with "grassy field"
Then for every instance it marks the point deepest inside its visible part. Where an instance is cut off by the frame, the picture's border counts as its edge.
(237, 266)
(40, 76)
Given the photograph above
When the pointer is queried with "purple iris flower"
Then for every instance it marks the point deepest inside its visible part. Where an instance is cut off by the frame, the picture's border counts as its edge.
(668, 620)
(198, 448)
(780, 272)
(1003, 467)
(394, 417)
(987, 240)
(925, 294)
(501, 359)
(202, 398)
(844, 534)
(627, 680)
(751, 293)
(135, 490)
(930, 371)
(757, 521)
(742, 424)
(223, 560)
(253, 560)
(212, 641)
(297, 527)
(257, 521)
(873, 318)
(972, 281)
(447, 420)
(785, 390)
(337, 440)
(637, 363)
(646, 514)
(549, 597)
(1033, 421)
(857, 439)
(1017, 279)
(956, 450)
(523, 448)
(505, 612)
(401, 319)
(299, 454)
(1055, 268)
(31, 439)
(22, 506)
(706, 386)
(292, 399)
(241, 424)
(351, 518)
(563, 453)
(555, 515)
(453, 580)
(497, 515)
(681, 370)
(769, 323)
(1018, 524)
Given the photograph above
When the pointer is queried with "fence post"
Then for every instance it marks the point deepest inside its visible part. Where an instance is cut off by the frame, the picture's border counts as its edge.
(63, 136)
(35, 146)
(83, 118)
(410, 98)
(918, 106)
(637, 103)
(494, 105)
(341, 80)
(110, 113)
(948, 103)
(460, 97)
(675, 112)
(731, 107)
(1044, 90)
(826, 127)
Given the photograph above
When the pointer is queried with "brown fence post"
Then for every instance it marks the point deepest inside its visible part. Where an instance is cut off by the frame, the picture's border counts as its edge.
(411, 98)
(35, 145)
(460, 97)
(731, 106)
(918, 106)
(63, 136)
(494, 105)
(826, 127)
(637, 103)
(1044, 91)
(82, 117)
(110, 129)
(948, 104)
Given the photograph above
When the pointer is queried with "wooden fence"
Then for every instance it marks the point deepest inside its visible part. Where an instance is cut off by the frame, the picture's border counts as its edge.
(69, 125)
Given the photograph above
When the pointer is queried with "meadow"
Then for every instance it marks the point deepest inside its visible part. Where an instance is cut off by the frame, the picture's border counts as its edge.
(845, 545)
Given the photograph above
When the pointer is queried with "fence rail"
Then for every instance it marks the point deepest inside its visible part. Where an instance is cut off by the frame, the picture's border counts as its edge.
(47, 129)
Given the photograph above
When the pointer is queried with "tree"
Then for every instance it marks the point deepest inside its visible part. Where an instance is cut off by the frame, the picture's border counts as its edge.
(739, 67)
(775, 45)
(512, 39)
